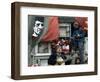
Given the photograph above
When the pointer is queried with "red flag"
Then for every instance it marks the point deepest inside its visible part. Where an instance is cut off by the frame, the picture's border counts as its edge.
(53, 30)
(82, 21)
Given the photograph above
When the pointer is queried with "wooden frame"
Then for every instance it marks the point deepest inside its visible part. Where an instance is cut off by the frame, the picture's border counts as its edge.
(15, 39)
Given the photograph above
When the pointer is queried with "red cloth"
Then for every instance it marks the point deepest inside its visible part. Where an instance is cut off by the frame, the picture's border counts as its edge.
(82, 21)
(53, 30)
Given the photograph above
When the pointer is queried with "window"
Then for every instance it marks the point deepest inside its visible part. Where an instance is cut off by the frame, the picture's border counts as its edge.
(43, 47)
(65, 30)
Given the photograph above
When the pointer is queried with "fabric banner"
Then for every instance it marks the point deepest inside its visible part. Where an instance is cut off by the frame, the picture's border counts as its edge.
(53, 30)
(82, 22)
